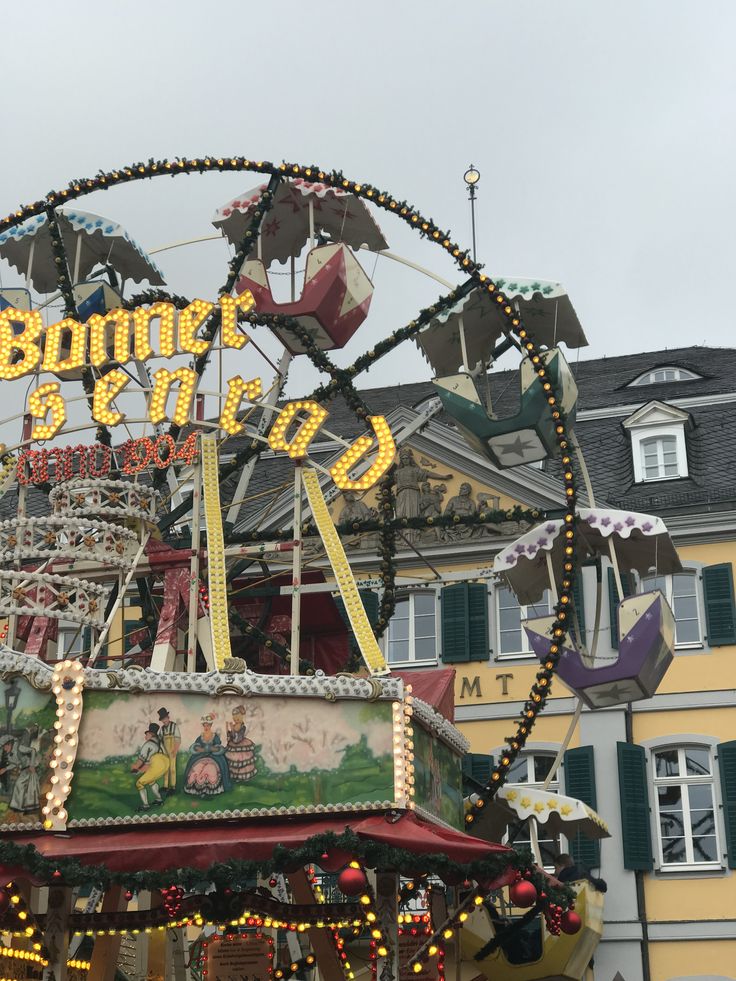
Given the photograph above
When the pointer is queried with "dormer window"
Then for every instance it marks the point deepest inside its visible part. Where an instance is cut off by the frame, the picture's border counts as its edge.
(658, 445)
(665, 373)
(659, 457)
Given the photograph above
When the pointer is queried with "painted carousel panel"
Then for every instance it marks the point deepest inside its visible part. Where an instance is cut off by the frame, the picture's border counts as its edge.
(183, 756)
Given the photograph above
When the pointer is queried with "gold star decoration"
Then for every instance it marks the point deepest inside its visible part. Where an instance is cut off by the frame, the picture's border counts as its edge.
(50, 538)
(539, 807)
(565, 810)
(63, 599)
(79, 499)
(89, 540)
(552, 804)
(511, 795)
(525, 802)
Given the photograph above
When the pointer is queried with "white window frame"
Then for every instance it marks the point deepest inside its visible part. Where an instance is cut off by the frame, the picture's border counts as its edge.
(68, 627)
(648, 433)
(412, 661)
(527, 651)
(679, 374)
(691, 865)
(692, 645)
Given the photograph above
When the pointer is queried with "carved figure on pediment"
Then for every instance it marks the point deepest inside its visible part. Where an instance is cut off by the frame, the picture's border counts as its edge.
(409, 478)
(430, 506)
(487, 503)
(355, 510)
(461, 505)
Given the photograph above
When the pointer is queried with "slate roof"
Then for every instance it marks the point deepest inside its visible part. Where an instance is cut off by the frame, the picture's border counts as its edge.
(602, 383)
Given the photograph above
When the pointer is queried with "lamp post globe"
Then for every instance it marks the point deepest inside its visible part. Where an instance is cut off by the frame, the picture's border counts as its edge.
(471, 177)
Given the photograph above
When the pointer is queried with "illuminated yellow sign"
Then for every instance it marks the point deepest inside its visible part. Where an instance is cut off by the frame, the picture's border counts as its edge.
(114, 338)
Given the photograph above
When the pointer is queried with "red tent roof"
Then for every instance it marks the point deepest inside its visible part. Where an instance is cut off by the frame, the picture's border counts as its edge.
(435, 687)
(163, 847)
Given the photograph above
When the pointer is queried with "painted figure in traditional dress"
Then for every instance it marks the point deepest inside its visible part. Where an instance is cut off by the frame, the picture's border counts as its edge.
(207, 772)
(27, 789)
(7, 765)
(152, 764)
(239, 752)
(171, 739)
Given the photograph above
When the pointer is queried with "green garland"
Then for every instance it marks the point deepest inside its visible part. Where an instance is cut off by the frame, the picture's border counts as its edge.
(387, 549)
(517, 513)
(283, 860)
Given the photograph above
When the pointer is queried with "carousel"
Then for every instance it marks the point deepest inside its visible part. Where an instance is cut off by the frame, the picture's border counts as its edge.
(208, 767)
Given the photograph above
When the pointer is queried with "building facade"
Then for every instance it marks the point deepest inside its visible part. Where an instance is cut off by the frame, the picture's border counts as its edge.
(657, 433)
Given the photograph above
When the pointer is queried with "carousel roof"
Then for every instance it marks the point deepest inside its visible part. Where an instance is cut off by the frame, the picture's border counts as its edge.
(163, 847)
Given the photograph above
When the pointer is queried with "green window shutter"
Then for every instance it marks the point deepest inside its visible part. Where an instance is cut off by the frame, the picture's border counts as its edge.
(632, 785)
(720, 614)
(454, 601)
(727, 768)
(579, 767)
(478, 644)
(614, 599)
(579, 607)
(476, 772)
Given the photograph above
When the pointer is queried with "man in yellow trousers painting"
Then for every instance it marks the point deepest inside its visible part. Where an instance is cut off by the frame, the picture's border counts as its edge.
(152, 763)
(171, 741)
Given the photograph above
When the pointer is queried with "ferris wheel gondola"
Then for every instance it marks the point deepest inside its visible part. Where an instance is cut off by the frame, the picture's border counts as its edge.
(463, 341)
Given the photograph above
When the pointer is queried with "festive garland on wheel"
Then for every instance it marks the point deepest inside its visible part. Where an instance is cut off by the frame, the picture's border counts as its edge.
(283, 860)
(514, 327)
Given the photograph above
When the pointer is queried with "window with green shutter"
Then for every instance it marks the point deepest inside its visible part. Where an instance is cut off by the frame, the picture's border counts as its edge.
(465, 623)
(476, 772)
(634, 794)
(720, 614)
(727, 768)
(579, 767)
(614, 599)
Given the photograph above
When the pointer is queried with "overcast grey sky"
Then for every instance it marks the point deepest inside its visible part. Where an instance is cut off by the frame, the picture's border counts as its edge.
(604, 131)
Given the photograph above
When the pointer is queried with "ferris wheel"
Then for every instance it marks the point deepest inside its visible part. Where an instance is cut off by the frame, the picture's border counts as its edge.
(119, 508)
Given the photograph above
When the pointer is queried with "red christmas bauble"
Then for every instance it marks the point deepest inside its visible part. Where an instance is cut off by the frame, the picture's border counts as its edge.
(351, 881)
(570, 922)
(523, 894)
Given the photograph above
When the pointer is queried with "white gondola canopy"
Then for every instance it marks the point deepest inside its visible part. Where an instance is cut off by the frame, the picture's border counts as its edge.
(557, 813)
(90, 240)
(545, 307)
(286, 228)
(641, 541)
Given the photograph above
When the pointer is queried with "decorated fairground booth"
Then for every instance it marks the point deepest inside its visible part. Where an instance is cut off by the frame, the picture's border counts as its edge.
(208, 768)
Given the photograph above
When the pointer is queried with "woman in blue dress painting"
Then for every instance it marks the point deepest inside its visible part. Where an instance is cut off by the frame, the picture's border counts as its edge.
(207, 772)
